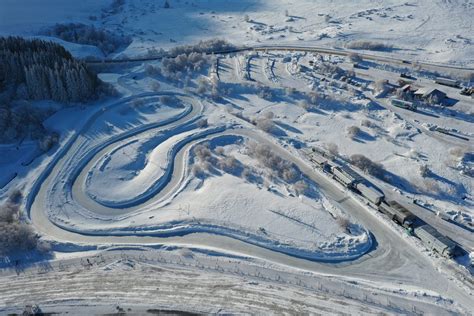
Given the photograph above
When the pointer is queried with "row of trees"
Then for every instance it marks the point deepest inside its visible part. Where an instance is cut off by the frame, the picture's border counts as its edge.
(40, 70)
(80, 33)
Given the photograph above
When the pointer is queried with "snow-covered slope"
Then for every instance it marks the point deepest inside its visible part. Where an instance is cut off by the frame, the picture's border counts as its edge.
(438, 31)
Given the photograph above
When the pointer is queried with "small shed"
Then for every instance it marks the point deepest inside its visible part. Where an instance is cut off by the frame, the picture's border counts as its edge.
(406, 88)
(430, 94)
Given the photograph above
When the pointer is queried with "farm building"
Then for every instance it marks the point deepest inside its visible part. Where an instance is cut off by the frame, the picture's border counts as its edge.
(406, 88)
(430, 94)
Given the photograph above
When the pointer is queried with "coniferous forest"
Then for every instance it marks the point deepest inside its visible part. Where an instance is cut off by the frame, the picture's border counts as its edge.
(33, 70)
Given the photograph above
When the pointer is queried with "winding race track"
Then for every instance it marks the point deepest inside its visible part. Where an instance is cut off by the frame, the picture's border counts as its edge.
(390, 257)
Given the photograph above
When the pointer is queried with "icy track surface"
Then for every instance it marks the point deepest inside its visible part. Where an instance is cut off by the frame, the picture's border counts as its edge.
(138, 182)
(194, 186)
(142, 182)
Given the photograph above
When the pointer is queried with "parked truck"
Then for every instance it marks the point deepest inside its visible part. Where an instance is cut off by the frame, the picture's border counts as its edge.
(404, 104)
(370, 193)
(398, 213)
(345, 176)
(447, 82)
(435, 241)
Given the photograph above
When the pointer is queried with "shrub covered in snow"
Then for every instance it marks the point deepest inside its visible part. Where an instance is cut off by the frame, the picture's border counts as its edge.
(80, 33)
(210, 87)
(206, 47)
(9, 212)
(152, 71)
(219, 150)
(314, 97)
(344, 223)
(265, 92)
(469, 77)
(300, 187)
(265, 124)
(367, 123)
(457, 152)
(15, 235)
(155, 86)
(380, 86)
(332, 70)
(368, 166)
(228, 164)
(48, 141)
(354, 57)
(202, 152)
(280, 167)
(205, 160)
(305, 105)
(175, 68)
(333, 149)
(269, 115)
(431, 186)
(290, 91)
(21, 120)
(202, 123)
(353, 131)
(166, 100)
(369, 45)
(425, 171)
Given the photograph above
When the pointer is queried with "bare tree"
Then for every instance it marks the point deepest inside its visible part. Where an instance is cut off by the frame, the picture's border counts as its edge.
(354, 57)
(353, 131)
(344, 223)
(367, 165)
(425, 171)
(14, 234)
(300, 187)
(333, 149)
(202, 123)
(155, 86)
(369, 45)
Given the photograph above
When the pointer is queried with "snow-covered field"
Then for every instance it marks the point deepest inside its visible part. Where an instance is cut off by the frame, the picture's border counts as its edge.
(201, 180)
(438, 31)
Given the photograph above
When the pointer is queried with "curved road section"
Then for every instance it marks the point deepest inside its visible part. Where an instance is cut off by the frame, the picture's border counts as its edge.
(391, 257)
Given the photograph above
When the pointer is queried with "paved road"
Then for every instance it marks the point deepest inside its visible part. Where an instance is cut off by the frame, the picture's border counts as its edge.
(315, 49)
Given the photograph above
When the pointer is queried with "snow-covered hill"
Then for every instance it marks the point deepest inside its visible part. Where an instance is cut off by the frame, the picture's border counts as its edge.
(438, 31)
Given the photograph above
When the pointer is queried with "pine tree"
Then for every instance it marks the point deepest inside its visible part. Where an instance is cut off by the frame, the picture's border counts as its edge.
(47, 70)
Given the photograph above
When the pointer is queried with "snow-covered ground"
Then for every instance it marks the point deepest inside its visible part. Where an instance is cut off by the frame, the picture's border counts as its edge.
(172, 280)
(171, 165)
(438, 31)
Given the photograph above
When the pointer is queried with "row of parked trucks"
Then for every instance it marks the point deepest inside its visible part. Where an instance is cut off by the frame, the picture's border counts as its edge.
(430, 237)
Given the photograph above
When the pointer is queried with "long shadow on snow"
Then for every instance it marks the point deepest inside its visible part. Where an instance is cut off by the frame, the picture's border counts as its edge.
(188, 228)
(363, 137)
(288, 127)
(22, 260)
(132, 115)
